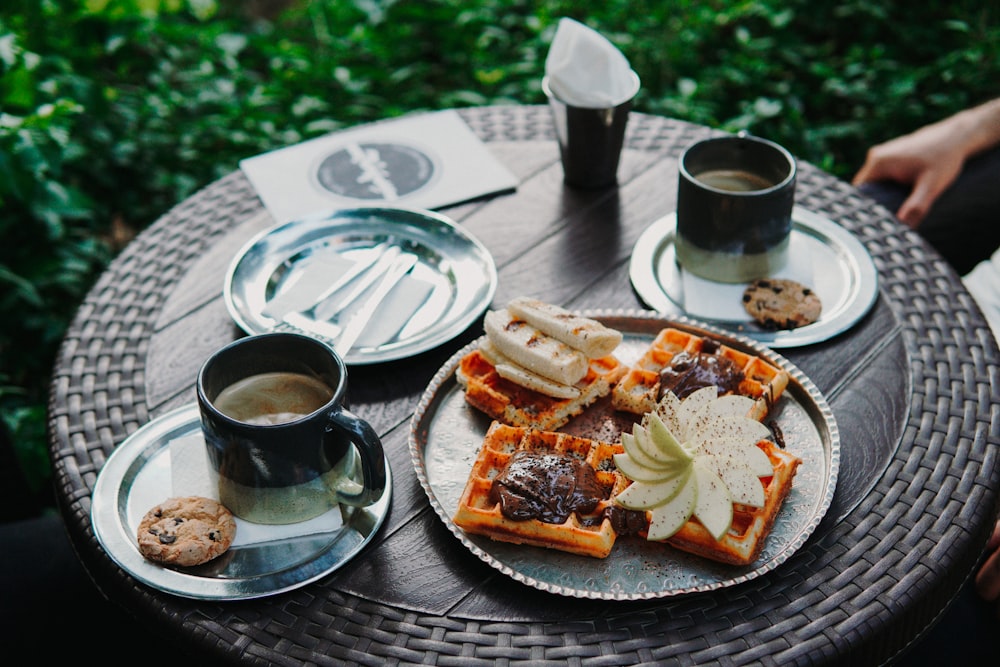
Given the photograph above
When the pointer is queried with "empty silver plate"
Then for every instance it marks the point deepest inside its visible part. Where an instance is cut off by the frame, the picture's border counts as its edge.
(457, 271)
(822, 255)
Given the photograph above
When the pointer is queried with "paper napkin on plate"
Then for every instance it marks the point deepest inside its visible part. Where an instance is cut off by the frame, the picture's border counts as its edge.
(399, 307)
(193, 475)
(711, 300)
(587, 70)
(306, 283)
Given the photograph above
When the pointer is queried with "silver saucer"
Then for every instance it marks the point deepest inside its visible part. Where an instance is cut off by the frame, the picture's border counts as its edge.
(137, 476)
(458, 268)
(842, 274)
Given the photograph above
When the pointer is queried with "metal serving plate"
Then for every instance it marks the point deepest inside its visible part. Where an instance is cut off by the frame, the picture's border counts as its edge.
(842, 274)
(460, 270)
(446, 434)
(137, 476)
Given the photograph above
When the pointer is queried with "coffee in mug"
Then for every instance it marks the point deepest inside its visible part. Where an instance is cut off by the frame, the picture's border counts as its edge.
(735, 196)
(273, 398)
(279, 434)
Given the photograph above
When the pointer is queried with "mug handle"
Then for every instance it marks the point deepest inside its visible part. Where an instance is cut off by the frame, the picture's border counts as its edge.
(366, 442)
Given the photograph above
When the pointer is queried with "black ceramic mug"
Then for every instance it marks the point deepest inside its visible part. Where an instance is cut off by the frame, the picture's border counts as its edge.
(278, 433)
(735, 196)
(590, 138)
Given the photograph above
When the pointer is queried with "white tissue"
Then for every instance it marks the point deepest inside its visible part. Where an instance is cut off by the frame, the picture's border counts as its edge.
(585, 69)
(192, 475)
(710, 300)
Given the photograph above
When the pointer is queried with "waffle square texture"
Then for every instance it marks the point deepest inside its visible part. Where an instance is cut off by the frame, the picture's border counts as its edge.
(638, 390)
(478, 513)
(748, 533)
(515, 405)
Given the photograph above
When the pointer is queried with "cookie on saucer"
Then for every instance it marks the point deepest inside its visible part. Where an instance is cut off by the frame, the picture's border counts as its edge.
(186, 531)
(780, 303)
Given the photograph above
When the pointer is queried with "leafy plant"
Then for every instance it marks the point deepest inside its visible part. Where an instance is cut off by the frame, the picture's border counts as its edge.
(112, 111)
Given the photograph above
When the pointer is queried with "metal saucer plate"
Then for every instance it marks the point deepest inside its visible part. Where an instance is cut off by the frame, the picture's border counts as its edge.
(137, 476)
(446, 434)
(842, 274)
(459, 268)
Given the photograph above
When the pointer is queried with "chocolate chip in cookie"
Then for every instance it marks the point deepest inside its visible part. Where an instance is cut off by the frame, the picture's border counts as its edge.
(186, 531)
(780, 303)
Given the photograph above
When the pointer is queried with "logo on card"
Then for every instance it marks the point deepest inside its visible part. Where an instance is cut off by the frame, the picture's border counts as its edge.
(375, 170)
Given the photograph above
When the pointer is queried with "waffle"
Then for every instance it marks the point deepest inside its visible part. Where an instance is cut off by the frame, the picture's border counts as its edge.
(638, 391)
(751, 525)
(515, 405)
(479, 513)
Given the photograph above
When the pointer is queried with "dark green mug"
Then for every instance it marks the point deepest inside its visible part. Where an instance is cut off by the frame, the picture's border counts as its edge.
(279, 434)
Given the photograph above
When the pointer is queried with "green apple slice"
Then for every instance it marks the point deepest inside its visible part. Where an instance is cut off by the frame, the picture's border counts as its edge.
(752, 455)
(669, 447)
(646, 495)
(742, 429)
(730, 405)
(637, 454)
(637, 472)
(744, 486)
(668, 518)
(668, 408)
(694, 403)
(644, 440)
(713, 502)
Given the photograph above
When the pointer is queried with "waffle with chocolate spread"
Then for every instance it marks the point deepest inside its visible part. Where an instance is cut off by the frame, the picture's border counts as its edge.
(692, 361)
(505, 500)
(751, 525)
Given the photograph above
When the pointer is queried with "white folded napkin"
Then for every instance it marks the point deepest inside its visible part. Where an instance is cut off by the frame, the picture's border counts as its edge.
(192, 475)
(399, 306)
(319, 271)
(306, 282)
(585, 69)
(706, 299)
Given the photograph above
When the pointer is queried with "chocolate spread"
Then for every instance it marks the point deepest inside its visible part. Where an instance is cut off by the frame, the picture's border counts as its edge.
(546, 486)
(687, 373)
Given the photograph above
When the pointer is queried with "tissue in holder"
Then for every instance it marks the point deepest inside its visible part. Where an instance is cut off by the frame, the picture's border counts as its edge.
(584, 69)
(590, 88)
(192, 475)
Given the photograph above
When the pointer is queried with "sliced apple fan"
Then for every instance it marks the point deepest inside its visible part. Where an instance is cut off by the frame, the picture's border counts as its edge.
(694, 457)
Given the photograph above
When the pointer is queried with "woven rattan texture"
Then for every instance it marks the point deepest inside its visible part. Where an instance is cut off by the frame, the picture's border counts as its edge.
(853, 584)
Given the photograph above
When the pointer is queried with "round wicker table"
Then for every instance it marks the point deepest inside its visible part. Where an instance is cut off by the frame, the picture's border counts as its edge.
(913, 387)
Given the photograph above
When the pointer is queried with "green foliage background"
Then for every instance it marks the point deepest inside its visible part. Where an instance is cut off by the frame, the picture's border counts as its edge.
(112, 111)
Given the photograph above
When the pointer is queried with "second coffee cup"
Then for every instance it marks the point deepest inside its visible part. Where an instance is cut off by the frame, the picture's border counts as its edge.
(278, 432)
(735, 197)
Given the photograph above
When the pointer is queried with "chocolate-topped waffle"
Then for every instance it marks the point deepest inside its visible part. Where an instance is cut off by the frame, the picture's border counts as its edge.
(692, 361)
(492, 504)
(513, 404)
(742, 544)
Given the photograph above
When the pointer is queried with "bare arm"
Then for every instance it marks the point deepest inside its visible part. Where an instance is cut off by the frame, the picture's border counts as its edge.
(930, 159)
(988, 577)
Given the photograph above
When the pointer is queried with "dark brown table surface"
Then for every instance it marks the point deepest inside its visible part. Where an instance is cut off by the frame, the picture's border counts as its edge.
(913, 387)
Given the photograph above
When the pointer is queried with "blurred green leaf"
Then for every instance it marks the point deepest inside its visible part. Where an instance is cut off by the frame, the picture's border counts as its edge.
(113, 111)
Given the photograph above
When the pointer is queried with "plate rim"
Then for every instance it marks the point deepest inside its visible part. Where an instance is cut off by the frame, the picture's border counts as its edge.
(644, 279)
(446, 374)
(115, 538)
(391, 214)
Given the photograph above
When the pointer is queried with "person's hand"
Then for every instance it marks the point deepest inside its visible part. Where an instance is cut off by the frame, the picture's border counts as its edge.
(928, 161)
(988, 576)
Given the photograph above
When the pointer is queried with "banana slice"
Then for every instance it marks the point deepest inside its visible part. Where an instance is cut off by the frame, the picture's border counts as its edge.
(508, 370)
(533, 350)
(582, 333)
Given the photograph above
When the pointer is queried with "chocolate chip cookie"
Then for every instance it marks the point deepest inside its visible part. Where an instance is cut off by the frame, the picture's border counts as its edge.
(186, 531)
(779, 303)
